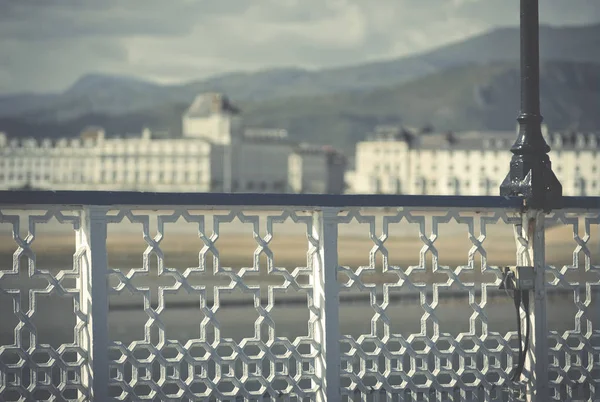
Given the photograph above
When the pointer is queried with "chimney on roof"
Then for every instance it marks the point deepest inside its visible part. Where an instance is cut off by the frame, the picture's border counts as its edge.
(92, 133)
(427, 129)
(217, 103)
(451, 137)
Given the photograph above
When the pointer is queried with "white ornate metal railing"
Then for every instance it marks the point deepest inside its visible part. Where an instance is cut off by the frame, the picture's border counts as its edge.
(293, 298)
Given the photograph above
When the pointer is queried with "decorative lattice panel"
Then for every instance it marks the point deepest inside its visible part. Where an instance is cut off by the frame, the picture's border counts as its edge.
(214, 365)
(574, 348)
(34, 363)
(469, 362)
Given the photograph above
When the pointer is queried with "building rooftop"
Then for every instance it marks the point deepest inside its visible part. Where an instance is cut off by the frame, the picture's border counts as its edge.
(478, 139)
(207, 104)
(304, 148)
(266, 135)
(393, 133)
(574, 140)
(469, 140)
(327, 151)
(424, 139)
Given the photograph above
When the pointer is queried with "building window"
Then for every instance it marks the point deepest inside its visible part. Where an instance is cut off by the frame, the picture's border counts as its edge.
(250, 185)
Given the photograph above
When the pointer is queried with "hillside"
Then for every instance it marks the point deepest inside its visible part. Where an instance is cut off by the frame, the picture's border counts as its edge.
(112, 95)
(461, 98)
(472, 97)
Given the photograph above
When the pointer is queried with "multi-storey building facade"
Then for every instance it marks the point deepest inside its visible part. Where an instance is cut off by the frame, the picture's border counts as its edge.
(398, 160)
(215, 153)
(307, 165)
(99, 163)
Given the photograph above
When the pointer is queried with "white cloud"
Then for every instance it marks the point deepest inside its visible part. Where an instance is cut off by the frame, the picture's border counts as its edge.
(47, 45)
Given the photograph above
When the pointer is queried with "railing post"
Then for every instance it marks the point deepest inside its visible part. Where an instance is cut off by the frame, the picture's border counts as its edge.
(93, 285)
(326, 300)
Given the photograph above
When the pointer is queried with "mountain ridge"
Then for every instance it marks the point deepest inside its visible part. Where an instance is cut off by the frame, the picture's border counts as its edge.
(113, 95)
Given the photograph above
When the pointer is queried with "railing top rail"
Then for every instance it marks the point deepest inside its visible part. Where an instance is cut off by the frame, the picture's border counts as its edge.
(125, 198)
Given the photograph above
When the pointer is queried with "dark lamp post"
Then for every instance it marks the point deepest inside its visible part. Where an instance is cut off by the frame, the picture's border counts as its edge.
(530, 172)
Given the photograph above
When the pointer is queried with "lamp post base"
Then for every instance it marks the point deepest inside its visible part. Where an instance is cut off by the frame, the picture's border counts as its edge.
(531, 177)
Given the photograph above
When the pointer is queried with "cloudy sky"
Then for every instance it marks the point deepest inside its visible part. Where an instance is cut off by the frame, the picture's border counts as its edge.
(45, 45)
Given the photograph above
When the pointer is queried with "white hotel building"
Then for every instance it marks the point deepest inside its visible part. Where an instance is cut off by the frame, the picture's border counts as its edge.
(398, 160)
(215, 153)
